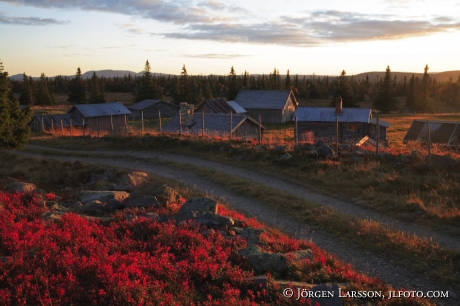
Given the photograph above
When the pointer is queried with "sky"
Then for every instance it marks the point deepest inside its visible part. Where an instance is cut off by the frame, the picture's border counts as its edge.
(321, 37)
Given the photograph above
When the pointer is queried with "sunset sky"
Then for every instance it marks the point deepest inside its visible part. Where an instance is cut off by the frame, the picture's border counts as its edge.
(209, 36)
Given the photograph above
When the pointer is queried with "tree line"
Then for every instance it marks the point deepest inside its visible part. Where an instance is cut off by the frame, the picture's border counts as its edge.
(419, 93)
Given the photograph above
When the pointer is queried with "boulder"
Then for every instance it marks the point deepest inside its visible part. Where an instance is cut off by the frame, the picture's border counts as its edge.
(286, 156)
(148, 201)
(131, 180)
(16, 186)
(199, 205)
(93, 207)
(166, 195)
(102, 195)
(325, 151)
(263, 262)
(206, 218)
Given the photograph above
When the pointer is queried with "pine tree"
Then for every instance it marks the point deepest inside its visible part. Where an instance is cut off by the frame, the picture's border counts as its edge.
(77, 93)
(147, 88)
(287, 81)
(14, 122)
(43, 96)
(345, 91)
(183, 93)
(411, 93)
(27, 96)
(386, 96)
(97, 94)
(425, 102)
(232, 85)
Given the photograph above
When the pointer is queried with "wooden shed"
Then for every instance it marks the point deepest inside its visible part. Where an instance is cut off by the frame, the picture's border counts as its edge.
(274, 106)
(441, 132)
(104, 118)
(221, 106)
(216, 125)
(152, 108)
(353, 123)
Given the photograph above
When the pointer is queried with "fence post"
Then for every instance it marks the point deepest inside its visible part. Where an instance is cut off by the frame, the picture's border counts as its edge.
(126, 124)
(337, 135)
(97, 125)
(52, 126)
(260, 130)
(62, 128)
(111, 124)
(159, 120)
(142, 122)
(377, 147)
(180, 123)
(429, 142)
(83, 126)
(70, 125)
(43, 126)
(296, 133)
(202, 123)
(231, 124)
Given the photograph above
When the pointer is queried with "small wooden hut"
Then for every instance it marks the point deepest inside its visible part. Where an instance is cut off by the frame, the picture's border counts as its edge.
(152, 108)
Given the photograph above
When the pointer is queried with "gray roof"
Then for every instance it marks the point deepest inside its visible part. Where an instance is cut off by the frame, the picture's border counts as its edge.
(57, 119)
(327, 114)
(263, 99)
(382, 122)
(236, 107)
(143, 104)
(444, 132)
(101, 109)
(219, 123)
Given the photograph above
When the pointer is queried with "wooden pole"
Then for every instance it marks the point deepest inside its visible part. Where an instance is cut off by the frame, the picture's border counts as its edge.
(231, 124)
(111, 123)
(180, 123)
(159, 120)
(52, 126)
(43, 126)
(97, 125)
(260, 130)
(296, 133)
(142, 120)
(429, 141)
(377, 147)
(83, 126)
(202, 123)
(337, 135)
(62, 128)
(126, 124)
(70, 124)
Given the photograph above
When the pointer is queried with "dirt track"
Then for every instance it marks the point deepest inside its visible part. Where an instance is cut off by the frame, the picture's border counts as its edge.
(390, 271)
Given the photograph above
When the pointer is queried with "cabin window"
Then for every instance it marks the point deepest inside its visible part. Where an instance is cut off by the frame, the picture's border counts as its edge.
(353, 127)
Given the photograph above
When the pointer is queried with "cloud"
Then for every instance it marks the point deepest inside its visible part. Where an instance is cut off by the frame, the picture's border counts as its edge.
(29, 21)
(216, 56)
(131, 28)
(218, 20)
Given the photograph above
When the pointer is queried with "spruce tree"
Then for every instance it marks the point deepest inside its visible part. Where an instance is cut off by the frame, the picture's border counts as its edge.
(345, 91)
(147, 88)
(77, 93)
(232, 85)
(97, 94)
(14, 122)
(27, 96)
(425, 102)
(287, 81)
(385, 100)
(43, 96)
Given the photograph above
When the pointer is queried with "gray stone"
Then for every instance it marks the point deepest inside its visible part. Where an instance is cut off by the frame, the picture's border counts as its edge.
(166, 195)
(286, 156)
(101, 195)
(199, 205)
(252, 235)
(112, 205)
(16, 186)
(93, 207)
(148, 201)
(131, 180)
(52, 215)
(300, 255)
(325, 151)
(268, 262)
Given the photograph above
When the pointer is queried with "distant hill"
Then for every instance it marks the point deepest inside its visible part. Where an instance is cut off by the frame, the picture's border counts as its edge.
(373, 75)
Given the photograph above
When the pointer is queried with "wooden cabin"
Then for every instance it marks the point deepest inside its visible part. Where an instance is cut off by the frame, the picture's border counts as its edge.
(273, 106)
(353, 123)
(151, 109)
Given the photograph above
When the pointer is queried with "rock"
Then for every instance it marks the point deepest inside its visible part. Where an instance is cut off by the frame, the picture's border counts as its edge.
(282, 149)
(102, 195)
(252, 249)
(50, 205)
(16, 186)
(131, 180)
(325, 151)
(252, 235)
(286, 156)
(300, 255)
(148, 201)
(199, 205)
(93, 207)
(260, 281)
(166, 195)
(206, 218)
(113, 205)
(52, 215)
(268, 262)
(151, 215)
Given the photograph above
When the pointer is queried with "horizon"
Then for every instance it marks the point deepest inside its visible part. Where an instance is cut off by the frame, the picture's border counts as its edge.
(211, 36)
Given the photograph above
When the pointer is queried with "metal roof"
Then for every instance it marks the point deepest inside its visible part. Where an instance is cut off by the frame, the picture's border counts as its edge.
(219, 105)
(219, 123)
(327, 114)
(440, 132)
(101, 109)
(59, 120)
(143, 104)
(236, 107)
(382, 122)
(263, 99)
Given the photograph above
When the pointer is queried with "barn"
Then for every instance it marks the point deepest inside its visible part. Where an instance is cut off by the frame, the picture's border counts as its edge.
(152, 108)
(441, 132)
(273, 106)
(221, 106)
(215, 125)
(353, 123)
(104, 118)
